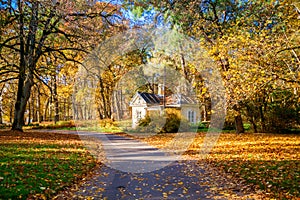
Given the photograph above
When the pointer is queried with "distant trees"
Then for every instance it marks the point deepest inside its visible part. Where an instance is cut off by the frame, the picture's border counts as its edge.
(97, 94)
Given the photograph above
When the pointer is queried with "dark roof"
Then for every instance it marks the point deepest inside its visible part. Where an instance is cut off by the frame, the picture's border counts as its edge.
(174, 99)
(150, 98)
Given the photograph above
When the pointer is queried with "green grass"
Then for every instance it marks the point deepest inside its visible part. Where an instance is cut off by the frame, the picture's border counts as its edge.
(33, 164)
(109, 126)
(105, 125)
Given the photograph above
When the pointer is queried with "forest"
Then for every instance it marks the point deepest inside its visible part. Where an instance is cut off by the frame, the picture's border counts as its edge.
(48, 46)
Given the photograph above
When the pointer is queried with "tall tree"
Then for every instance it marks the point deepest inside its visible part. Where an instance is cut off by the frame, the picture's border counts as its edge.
(31, 30)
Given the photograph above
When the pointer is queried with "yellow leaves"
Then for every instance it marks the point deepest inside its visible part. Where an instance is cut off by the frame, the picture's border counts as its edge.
(268, 160)
(253, 70)
(184, 190)
(165, 195)
(138, 189)
(40, 196)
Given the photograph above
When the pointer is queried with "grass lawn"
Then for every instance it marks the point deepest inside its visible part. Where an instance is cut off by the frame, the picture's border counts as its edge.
(38, 165)
(87, 125)
(266, 162)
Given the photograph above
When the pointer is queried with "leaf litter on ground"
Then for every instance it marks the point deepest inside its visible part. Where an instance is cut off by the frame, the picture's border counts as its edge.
(266, 164)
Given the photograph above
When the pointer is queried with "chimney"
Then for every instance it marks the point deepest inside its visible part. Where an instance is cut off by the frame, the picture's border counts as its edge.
(160, 91)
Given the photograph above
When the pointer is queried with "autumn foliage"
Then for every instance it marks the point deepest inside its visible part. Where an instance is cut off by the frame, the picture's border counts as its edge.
(268, 163)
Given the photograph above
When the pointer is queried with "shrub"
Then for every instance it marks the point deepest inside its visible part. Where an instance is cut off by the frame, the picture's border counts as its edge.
(202, 125)
(106, 123)
(170, 122)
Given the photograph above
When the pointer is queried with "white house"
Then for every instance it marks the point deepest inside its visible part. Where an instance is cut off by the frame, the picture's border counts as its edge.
(143, 102)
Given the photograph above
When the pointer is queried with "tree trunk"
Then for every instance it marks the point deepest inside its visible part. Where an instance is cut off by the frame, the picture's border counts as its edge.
(39, 114)
(29, 108)
(254, 125)
(1, 116)
(55, 99)
(103, 98)
(262, 119)
(251, 118)
(64, 110)
(21, 101)
(204, 113)
(23, 95)
(46, 109)
(118, 104)
(1, 120)
(68, 108)
(27, 61)
(34, 109)
(11, 114)
(239, 127)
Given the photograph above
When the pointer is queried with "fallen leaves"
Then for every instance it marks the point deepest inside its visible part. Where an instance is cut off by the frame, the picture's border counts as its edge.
(268, 162)
(265, 163)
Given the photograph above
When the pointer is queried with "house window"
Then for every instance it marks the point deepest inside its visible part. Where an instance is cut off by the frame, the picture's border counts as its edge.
(191, 116)
(138, 115)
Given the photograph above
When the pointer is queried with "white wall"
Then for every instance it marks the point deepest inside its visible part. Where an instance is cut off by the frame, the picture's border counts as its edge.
(138, 113)
(185, 111)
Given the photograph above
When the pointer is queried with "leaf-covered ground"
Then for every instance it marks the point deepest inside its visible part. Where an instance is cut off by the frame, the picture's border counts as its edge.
(38, 164)
(269, 163)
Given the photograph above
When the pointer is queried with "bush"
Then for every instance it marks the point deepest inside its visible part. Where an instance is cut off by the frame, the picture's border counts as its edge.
(170, 122)
(58, 125)
(202, 126)
(229, 125)
(3, 126)
(106, 123)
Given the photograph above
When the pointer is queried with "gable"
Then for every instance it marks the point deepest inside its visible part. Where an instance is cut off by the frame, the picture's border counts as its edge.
(137, 100)
(179, 99)
(144, 99)
(148, 99)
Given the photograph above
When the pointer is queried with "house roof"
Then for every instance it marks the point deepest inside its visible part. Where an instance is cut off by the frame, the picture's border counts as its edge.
(150, 98)
(172, 100)
(180, 99)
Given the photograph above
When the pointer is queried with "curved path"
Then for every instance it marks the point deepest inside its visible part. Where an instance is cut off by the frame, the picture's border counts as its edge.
(135, 170)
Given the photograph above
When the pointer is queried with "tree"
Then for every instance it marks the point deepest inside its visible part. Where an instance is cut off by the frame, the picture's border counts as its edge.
(251, 41)
(31, 30)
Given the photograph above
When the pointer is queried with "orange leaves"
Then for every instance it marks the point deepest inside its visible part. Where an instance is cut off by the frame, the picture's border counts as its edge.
(266, 162)
(269, 161)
